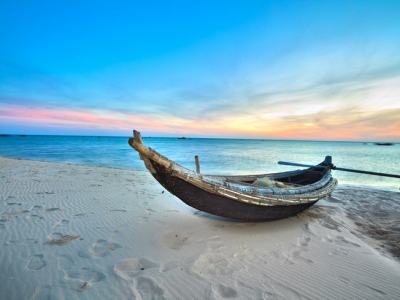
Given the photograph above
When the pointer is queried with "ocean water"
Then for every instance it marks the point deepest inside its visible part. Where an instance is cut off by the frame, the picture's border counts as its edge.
(217, 156)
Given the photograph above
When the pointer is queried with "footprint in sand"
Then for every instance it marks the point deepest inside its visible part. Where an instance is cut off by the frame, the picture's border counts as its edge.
(212, 264)
(303, 244)
(330, 223)
(133, 267)
(102, 248)
(174, 240)
(99, 248)
(86, 274)
(80, 280)
(295, 254)
(223, 291)
(77, 278)
(340, 240)
(146, 288)
(36, 262)
(138, 271)
(338, 252)
(64, 262)
(344, 241)
(303, 241)
(169, 265)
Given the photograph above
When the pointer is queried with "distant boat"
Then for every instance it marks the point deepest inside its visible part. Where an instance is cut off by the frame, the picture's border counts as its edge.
(384, 144)
(181, 138)
(248, 197)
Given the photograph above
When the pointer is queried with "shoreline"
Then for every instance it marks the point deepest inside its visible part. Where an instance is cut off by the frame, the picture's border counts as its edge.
(108, 232)
(344, 185)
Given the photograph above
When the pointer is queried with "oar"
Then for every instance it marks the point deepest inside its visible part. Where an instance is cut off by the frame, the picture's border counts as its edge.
(339, 169)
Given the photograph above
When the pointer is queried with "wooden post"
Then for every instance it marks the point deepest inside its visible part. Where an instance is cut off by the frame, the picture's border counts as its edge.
(196, 158)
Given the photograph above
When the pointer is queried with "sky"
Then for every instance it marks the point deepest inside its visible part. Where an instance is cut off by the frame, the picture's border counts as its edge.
(321, 70)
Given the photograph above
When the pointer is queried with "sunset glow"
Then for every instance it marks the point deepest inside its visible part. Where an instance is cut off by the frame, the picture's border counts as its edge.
(255, 70)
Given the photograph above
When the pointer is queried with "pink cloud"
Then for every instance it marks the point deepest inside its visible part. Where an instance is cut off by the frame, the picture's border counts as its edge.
(75, 119)
(332, 127)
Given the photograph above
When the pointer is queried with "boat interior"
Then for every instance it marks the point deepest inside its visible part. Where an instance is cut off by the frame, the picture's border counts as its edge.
(292, 178)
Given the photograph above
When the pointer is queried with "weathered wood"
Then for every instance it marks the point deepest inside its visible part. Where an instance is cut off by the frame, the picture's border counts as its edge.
(196, 158)
(221, 206)
(237, 197)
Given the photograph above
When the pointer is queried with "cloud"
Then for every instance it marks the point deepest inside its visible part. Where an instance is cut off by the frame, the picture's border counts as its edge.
(325, 98)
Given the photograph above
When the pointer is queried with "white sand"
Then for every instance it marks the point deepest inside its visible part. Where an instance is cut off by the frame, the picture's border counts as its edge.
(80, 232)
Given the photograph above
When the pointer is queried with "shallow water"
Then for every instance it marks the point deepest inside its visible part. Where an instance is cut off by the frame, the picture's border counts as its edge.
(220, 156)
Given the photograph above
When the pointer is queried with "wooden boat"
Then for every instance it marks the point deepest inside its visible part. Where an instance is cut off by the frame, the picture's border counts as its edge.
(384, 144)
(239, 197)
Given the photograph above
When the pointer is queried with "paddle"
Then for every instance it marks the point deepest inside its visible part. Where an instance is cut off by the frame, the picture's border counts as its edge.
(339, 169)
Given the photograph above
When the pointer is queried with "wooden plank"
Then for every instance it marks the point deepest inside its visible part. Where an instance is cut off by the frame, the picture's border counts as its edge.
(196, 158)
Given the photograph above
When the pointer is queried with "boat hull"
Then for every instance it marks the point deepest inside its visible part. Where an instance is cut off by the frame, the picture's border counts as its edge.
(237, 197)
(219, 205)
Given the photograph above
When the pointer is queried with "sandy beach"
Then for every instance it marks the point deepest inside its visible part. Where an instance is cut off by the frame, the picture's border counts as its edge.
(80, 232)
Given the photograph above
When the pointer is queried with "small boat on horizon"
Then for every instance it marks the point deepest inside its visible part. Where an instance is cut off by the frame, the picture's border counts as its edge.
(261, 197)
(384, 144)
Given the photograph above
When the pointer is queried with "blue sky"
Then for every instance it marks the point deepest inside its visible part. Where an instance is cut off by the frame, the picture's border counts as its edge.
(268, 69)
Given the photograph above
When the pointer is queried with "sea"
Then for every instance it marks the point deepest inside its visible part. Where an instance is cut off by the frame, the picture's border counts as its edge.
(217, 156)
